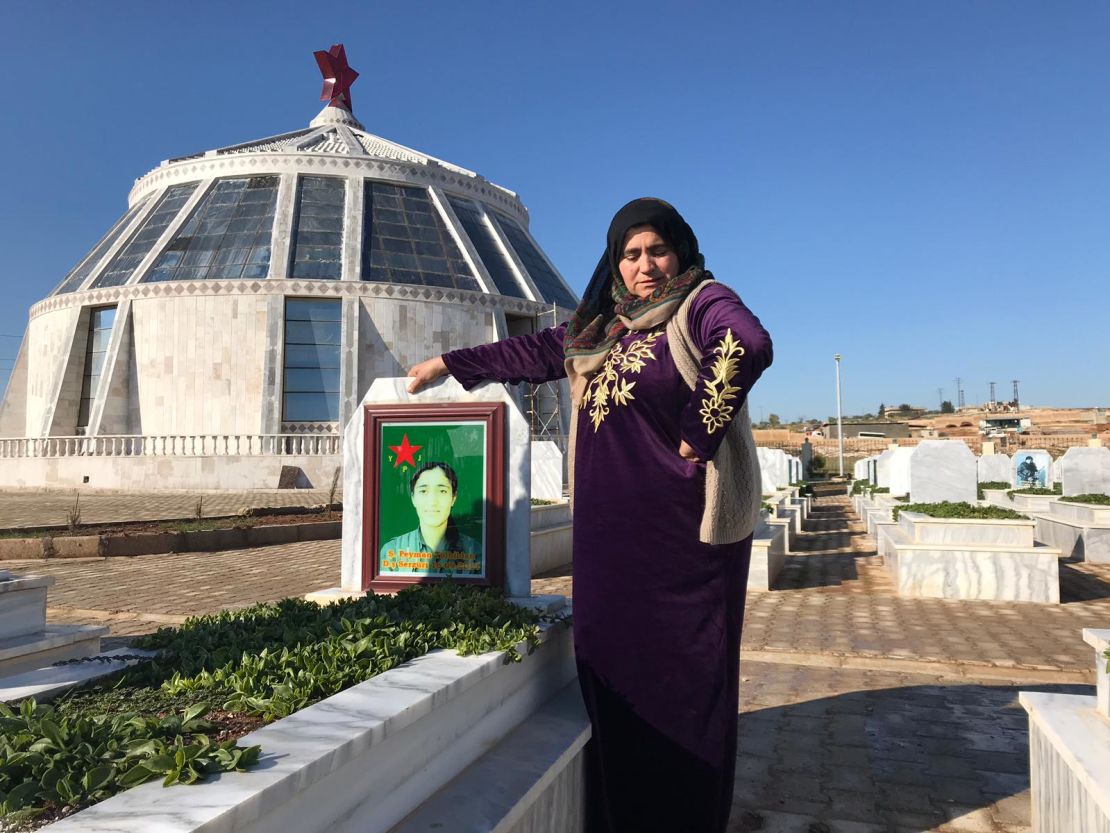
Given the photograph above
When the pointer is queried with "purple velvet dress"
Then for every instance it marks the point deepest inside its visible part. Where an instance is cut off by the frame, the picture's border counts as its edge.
(657, 614)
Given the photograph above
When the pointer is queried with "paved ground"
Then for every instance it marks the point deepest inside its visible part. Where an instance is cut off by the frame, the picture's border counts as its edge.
(861, 711)
(41, 508)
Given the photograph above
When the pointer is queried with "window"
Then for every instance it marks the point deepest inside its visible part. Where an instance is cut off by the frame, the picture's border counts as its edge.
(118, 272)
(318, 228)
(310, 391)
(85, 267)
(406, 241)
(547, 282)
(481, 235)
(227, 236)
(101, 320)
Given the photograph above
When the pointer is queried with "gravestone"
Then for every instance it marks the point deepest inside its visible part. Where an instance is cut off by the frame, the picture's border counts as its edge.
(806, 456)
(773, 468)
(994, 468)
(547, 470)
(873, 470)
(882, 467)
(942, 470)
(517, 478)
(795, 469)
(1085, 471)
(899, 472)
(1031, 468)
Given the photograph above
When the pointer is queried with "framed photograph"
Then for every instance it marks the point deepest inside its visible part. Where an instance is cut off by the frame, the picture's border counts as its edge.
(1031, 469)
(434, 501)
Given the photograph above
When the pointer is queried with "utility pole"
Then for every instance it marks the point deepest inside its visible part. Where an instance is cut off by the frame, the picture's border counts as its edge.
(940, 399)
(839, 417)
(992, 396)
(959, 394)
(1017, 402)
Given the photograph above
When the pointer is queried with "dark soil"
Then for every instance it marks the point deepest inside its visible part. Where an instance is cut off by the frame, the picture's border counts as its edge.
(178, 525)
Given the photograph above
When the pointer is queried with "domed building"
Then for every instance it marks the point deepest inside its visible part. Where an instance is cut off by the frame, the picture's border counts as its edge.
(230, 321)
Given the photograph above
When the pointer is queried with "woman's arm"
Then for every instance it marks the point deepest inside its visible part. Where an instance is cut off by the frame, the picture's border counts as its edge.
(735, 351)
(536, 357)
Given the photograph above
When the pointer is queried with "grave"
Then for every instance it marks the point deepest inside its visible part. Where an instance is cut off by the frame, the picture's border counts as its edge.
(1085, 471)
(27, 643)
(547, 470)
(898, 472)
(1081, 531)
(882, 466)
(994, 468)
(768, 554)
(1069, 752)
(949, 558)
(774, 468)
(942, 470)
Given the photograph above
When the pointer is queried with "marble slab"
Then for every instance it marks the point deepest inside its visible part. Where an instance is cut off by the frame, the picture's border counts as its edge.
(882, 467)
(44, 684)
(923, 529)
(1085, 471)
(1084, 513)
(23, 605)
(1076, 540)
(360, 760)
(547, 470)
(994, 468)
(1099, 639)
(942, 470)
(774, 467)
(56, 642)
(518, 471)
(979, 572)
(1069, 756)
(898, 472)
(768, 555)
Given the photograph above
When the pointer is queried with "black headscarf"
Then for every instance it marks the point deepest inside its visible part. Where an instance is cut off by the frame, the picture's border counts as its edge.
(597, 322)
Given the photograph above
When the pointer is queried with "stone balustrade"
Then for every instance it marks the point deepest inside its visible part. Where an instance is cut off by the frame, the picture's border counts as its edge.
(173, 445)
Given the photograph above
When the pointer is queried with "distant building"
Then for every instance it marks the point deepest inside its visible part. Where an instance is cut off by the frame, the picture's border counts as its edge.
(1000, 426)
(877, 429)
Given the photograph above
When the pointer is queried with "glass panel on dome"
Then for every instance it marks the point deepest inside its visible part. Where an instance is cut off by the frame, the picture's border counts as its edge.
(84, 267)
(545, 279)
(481, 235)
(226, 237)
(404, 240)
(310, 390)
(318, 228)
(118, 272)
(101, 321)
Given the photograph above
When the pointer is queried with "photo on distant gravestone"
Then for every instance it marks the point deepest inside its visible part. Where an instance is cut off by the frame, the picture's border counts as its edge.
(1031, 469)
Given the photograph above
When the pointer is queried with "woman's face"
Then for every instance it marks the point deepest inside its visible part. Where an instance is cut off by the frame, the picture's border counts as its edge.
(433, 498)
(647, 261)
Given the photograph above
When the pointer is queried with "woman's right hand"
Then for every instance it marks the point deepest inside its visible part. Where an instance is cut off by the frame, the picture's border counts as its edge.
(426, 372)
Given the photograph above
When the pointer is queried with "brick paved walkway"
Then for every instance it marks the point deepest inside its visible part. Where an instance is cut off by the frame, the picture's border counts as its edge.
(23, 508)
(861, 711)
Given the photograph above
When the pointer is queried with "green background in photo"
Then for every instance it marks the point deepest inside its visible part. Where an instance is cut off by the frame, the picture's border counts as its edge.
(462, 445)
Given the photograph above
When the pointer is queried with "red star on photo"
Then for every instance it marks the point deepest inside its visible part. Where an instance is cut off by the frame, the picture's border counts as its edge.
(405, 452)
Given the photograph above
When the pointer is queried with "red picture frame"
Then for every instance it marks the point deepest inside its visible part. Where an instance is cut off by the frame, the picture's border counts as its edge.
(492, 414)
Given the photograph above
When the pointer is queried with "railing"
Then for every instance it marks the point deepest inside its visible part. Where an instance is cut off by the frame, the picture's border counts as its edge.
(173, 445)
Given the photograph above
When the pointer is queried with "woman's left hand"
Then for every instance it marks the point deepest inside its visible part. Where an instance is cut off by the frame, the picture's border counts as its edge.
(686, 452)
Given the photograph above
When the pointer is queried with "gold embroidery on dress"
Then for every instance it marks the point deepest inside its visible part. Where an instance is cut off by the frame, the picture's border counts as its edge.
(715, 411)
(608, 386)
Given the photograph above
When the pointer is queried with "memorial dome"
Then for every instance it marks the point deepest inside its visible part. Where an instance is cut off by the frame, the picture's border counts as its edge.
(256, 290)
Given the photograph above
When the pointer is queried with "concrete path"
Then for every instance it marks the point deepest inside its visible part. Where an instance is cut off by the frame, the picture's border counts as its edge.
(861, 711)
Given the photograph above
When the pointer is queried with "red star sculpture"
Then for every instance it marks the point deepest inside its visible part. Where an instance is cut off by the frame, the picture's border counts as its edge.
(405, 452)
(338, 76)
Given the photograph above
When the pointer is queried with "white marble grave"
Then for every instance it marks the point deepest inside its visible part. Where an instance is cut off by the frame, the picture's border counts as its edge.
(774, 468)
(26, 641)
(768, 555)
(898, 472)
(1069, 753)
(882, 467)
(1085, 471)
(547, 470)
(518, 472)
(994, 468)
(942, 470)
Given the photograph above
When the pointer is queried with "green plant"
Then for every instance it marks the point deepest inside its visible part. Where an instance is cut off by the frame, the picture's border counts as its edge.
(1093, 498)
(267, 660)
(961, 510)
(859, 486)
(1033, 490)
(198, 510)
(334, 489)
(991, 484)
(805, 489)
(73, 516)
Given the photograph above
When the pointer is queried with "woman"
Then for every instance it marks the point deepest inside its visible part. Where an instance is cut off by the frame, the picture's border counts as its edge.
(666, 492)
(434, 488)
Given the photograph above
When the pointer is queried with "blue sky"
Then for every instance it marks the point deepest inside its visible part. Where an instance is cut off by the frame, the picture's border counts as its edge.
(921, 187)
